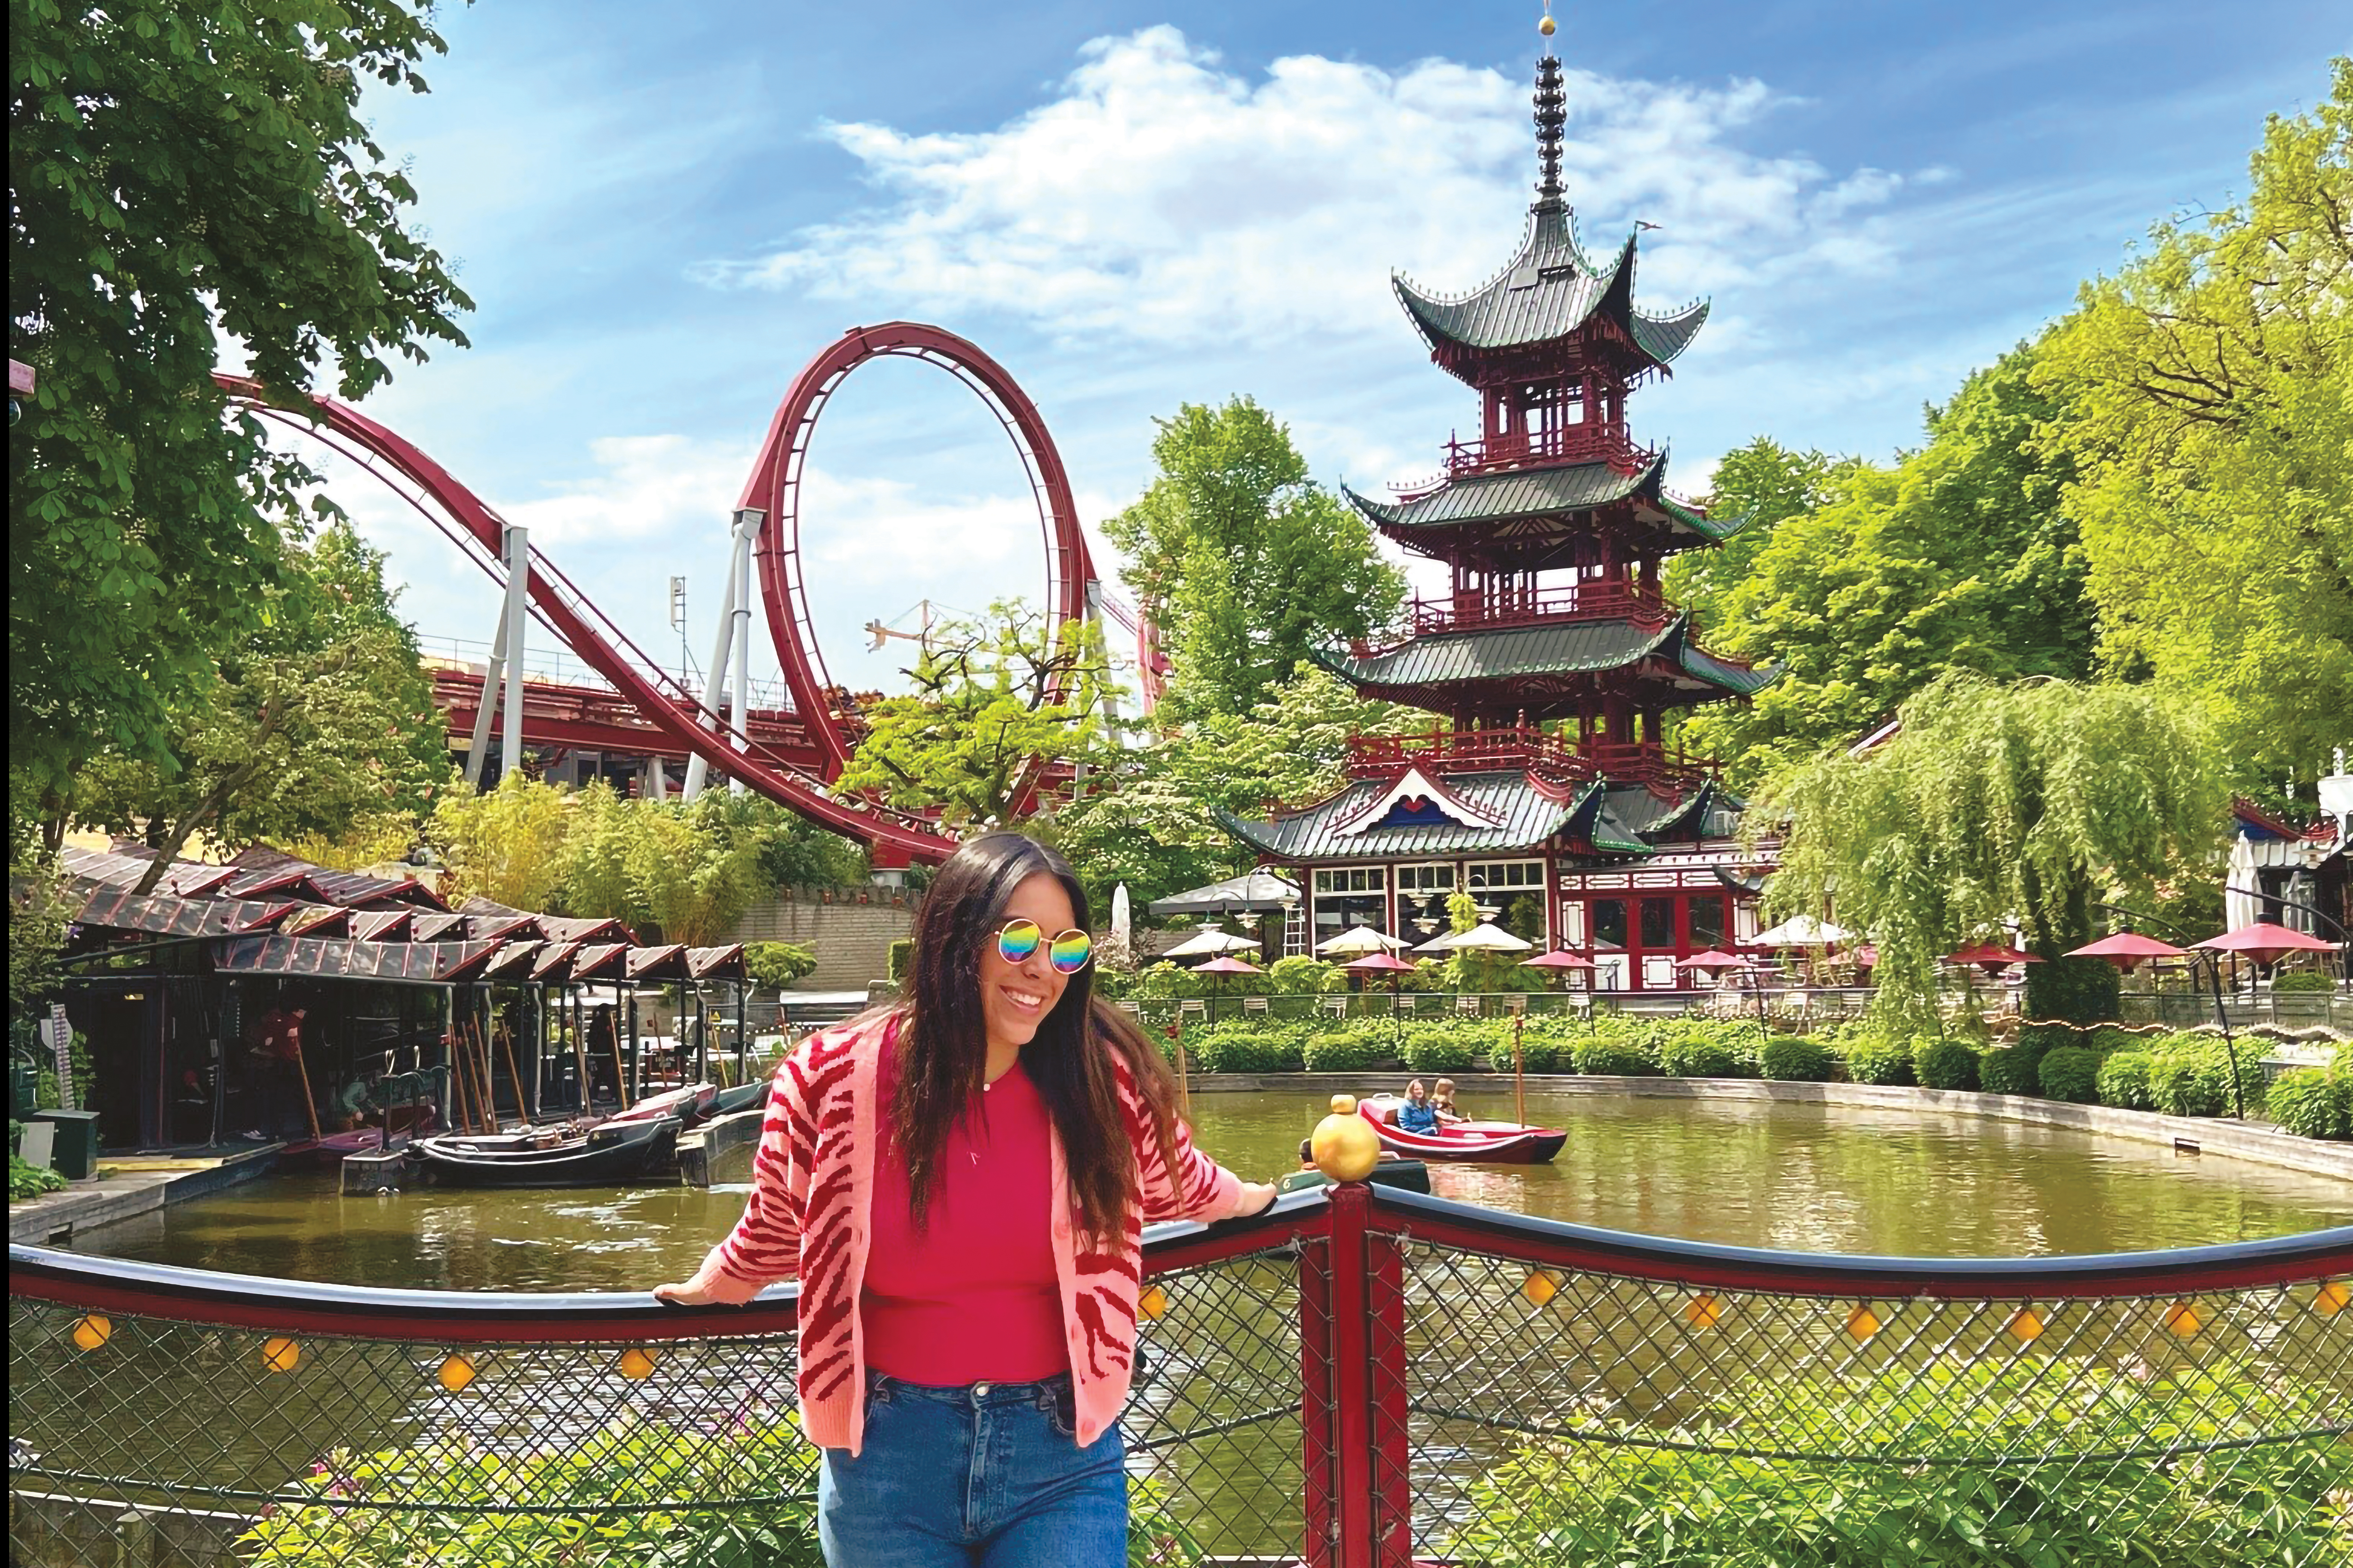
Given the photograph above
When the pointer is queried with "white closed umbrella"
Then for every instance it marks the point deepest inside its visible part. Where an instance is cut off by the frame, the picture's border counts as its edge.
(1211, 942)
(1803, 930)
(1484, 937)
(1120, 917)
(1358, 940)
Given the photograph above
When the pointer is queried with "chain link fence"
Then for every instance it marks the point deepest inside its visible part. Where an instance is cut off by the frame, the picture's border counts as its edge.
(1373, 1380)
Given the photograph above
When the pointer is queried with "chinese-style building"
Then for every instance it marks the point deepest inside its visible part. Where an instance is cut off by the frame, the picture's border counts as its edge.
(1547, 790)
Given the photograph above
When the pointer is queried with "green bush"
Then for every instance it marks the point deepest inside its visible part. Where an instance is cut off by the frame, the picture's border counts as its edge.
(2313, 1104)
(28, 1181)
(1609, 1056)
(1701, 1047)
(2006, 1069)
(1629, 1490)
(610, 1496)
(1945, 1064)
(1792, 1060)
(1874, 1058)
(1300, 975)
(2304, 982)
(773, 966)
(902, 960)
(2123, 1081)
(1437, 1048)
(1248, 1046)
(1540, 1048)
(1346, 1051)
(1163, 982)
(2071, 1073)
(2189, 1074)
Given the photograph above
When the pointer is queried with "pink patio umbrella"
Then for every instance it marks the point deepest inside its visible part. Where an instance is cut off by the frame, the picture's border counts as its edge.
(1556, 960)
(2266, 943)
(2126, 950)
(1386, 964)
(1715, 961)
(1993, 957)
(1226, 963)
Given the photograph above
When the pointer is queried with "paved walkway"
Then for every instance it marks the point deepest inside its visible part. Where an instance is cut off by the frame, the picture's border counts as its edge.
(133, 1185)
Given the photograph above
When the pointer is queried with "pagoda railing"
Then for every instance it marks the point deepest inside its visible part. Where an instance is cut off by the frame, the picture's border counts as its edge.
(1603, 598)
(1579, 443)
(1557, 756)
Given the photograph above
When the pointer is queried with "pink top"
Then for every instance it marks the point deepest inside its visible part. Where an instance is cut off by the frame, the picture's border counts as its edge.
(812, 1209)
(972, 1296)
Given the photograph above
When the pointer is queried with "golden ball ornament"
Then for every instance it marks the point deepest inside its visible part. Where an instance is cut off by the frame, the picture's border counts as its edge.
(638, 1362)
(456, 1371)
(92, 1332)
(1546, 27)
(1153, 1304)
(280, 1353)
(1343, 1146)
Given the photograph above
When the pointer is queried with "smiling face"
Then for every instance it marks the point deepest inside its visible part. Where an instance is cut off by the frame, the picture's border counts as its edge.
(1015, 998)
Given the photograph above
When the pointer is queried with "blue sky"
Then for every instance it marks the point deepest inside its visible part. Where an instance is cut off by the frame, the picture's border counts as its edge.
(663, 212)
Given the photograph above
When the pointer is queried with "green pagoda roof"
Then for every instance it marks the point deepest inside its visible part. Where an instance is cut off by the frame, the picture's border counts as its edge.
(1523, 492)
(1563, 648)
(1527, 812)
(1549, 290)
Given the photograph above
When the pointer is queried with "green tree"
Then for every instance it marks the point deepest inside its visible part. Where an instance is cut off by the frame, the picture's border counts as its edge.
(1243, 560)
(595, 873)
(1767, 484)
(506, 845)
(2211, 382)
(179, 176)
(1959, 559)
(691, 870)
(2031, 802)
(1149, 821)
(994, 701)
(318, 721)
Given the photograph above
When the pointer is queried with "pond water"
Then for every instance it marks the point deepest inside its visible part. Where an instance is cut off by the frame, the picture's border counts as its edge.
(1802, 1178)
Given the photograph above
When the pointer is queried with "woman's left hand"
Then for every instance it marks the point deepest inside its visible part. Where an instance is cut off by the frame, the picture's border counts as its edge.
(1257, 1197)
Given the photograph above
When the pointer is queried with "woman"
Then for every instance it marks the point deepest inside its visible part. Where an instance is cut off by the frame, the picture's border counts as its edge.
(1415, 1113)
(961, 1183)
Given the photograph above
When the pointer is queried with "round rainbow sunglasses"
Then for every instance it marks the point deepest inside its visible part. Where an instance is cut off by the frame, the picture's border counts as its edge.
(1068, 953)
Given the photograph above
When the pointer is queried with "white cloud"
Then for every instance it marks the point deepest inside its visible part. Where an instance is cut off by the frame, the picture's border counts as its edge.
(1162, 196)
(642, 487)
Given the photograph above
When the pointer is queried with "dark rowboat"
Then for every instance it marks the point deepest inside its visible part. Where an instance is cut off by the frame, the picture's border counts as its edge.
(1407, 1175)
(742, 1097)
(604, 1155)
(690, 1104)
(1486, 1143)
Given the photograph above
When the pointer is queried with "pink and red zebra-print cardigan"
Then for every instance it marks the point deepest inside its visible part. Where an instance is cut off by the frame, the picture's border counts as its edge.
(811, 1214)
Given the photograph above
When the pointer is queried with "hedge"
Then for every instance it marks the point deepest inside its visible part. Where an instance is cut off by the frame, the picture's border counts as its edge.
(1605, 1056)
(1945, 1064)
(1696, 1048)
(2006, 1069)
(2123, 1081)
(2313, 1103)
(2304, 982)
(1346, 1051)
(1790, 1059)
(1871, 1058)
(2190, 1076)
(2071, 1073)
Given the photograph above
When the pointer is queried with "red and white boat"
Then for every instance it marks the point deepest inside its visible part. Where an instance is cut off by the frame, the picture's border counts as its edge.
(1490, 1142)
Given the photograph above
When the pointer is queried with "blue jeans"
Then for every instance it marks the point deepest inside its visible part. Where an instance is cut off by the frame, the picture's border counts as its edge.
(989, 1475)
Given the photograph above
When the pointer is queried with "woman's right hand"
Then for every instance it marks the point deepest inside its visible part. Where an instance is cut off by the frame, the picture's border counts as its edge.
(687, 1293)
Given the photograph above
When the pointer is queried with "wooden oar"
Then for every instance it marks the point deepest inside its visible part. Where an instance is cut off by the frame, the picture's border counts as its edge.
(309, 1107)
(514, 1074)
(620, 1077)
(1519, 1071)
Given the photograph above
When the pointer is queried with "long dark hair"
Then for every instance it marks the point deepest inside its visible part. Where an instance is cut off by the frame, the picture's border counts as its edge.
(1075, 1058)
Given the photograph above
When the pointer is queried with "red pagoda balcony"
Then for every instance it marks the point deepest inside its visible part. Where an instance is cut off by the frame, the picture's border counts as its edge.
(1601, 598)
(1578, 443)
(1539, 750)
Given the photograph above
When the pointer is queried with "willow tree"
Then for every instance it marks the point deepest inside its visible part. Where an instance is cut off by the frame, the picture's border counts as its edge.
(2034, 802)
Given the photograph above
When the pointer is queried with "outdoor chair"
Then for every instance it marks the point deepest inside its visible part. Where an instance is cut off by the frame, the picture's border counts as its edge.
(1468, 1007)
(1192, 1007)
(1253, 1004)
(1335, 1006)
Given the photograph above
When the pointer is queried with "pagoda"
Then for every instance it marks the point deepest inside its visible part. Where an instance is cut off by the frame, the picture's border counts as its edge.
(1547, 790)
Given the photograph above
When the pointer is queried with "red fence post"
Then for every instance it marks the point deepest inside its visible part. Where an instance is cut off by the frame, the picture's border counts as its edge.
(1316, 1362)
(1390, 1444)
(1348, 1321)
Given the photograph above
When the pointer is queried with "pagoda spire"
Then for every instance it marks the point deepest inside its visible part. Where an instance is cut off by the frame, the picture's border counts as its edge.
(1551, 116)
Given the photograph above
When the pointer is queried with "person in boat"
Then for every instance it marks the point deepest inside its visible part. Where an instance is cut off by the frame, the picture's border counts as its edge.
(604, 1048)
(1442, 1100)
(965, 1317)
(356, 1104)
(1415, 1113)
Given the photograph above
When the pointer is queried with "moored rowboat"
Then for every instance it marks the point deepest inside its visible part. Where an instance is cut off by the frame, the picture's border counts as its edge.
(604, 1154)
(1490, 1142)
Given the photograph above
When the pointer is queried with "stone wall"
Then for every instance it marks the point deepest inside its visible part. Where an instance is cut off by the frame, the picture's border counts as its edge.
(852, 941)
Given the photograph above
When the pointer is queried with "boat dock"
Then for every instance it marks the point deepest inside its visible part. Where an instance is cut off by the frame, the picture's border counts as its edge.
(132, 1184)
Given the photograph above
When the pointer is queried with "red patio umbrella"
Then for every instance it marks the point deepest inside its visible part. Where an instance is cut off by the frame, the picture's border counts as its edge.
(2127, 949)
(1993, 957)
(1226, 963)
(1715, 960)
(1387, 963)
(2266, 943)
